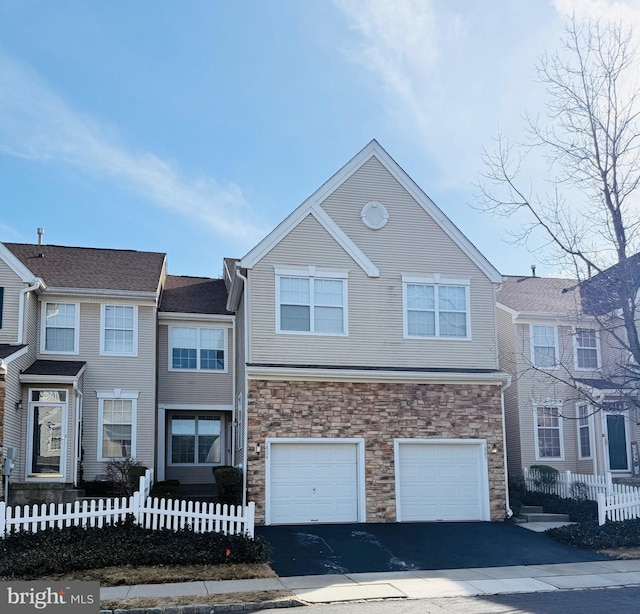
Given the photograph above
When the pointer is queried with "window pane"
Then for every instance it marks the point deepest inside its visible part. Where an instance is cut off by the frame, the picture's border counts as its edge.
(544, 357)
(422, 323)
(183, 448)
(295, 290)
(587, 358)
(183, 425)
(184, 358)
(59, 339)
(420, 296)
(328, 320)
(452, 298)
(212, 360)
(294, 317)
(209, 448)
(453, 324)
(211, 339)
(548, 425)
(61, 315)
(116, 441)
(328, 292)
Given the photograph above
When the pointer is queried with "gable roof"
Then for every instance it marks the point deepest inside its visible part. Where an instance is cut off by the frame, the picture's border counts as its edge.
(544, 295)
(91, 268)
(204, 295)
(311, 206)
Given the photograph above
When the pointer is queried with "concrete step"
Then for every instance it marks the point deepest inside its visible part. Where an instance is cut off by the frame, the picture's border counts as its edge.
(531, 509)
(542, 517)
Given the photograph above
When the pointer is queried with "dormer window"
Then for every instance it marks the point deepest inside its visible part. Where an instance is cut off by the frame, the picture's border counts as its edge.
(60, 328)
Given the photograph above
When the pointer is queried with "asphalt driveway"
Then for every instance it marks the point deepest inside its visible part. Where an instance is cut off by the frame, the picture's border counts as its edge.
(301, 550)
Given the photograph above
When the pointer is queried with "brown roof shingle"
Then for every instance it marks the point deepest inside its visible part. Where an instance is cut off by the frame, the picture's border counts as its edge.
(540, 294)
(183, 294)
(91, 268)
(66, 368)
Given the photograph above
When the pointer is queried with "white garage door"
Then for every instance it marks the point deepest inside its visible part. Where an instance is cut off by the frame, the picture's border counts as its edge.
(313, 482)
(441, 481)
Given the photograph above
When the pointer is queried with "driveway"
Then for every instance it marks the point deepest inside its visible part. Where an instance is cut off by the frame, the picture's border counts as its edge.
(302, 550)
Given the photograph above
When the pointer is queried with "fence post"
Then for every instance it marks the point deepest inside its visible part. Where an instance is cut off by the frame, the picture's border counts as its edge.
(3, 518)
(135, 506)
(568, 483)
(250, 518)
(602, 513)
(609, 483)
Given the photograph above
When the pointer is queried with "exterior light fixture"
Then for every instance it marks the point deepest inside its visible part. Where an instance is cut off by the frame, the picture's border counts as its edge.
(19, 405)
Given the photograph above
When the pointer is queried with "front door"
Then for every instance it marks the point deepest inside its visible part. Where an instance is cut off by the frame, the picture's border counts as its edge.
(47, 424)
(617, 441)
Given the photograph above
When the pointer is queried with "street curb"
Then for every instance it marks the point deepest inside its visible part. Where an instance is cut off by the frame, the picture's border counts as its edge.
(215, 608)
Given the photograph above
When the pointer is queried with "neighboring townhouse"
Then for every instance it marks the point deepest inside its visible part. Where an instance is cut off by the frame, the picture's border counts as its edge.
(195, 381)
(367, 378)
(562, 408)
(78, 362)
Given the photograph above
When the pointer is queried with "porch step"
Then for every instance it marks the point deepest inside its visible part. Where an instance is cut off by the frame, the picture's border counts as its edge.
(531, 509)
(542, 517)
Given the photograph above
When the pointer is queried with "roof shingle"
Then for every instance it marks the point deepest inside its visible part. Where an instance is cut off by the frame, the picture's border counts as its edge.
(540, 294)
(204, 295)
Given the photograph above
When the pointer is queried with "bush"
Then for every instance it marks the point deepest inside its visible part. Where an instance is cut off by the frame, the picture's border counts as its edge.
(544, 477)
(99, 488)
(27, 555)
(169, 489)
(124, 474)
(625, 534)
(229, 481)
(579, 510)
(517, 491)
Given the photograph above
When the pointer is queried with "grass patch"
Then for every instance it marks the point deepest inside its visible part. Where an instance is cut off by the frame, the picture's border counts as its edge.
(159, 602)
(160, 574)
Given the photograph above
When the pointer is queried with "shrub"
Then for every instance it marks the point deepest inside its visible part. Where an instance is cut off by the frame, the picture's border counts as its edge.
(579, 510)
(57, 551)
(517, 491)
(625, 534)
(124, 474)
(229, 481)
(169, 489)
(544, 477)
(98, 488)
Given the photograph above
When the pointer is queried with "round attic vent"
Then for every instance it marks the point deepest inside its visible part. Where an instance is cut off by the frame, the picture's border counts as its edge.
(374, 215)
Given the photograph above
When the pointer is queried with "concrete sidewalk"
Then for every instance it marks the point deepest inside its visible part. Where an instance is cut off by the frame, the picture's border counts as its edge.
(419, 584)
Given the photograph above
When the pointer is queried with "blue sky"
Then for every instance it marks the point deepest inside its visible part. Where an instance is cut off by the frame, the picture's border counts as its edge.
(194, 128)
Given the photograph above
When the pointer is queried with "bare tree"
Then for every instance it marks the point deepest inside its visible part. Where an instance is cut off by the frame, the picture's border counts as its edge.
(589, 211)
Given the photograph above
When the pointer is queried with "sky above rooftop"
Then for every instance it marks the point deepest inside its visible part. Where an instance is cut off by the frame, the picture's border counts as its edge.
(194, 128)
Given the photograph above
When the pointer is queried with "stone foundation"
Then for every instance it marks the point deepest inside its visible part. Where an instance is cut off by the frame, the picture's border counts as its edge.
(378, 412)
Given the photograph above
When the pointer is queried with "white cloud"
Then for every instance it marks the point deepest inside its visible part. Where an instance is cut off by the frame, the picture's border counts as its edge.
(37, 124)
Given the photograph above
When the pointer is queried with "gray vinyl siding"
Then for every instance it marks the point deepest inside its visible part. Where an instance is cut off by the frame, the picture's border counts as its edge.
(411, 243)
(11, 301)
(115, 372)
(203, 387)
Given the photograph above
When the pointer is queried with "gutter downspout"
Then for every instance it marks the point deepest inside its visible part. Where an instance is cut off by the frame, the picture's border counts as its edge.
(504, 452)
(245, 443)
(234, 398)
(21, 309)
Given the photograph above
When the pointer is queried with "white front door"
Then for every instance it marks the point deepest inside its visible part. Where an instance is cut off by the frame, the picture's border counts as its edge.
(312, 481)
(441, 480)
(47, 426)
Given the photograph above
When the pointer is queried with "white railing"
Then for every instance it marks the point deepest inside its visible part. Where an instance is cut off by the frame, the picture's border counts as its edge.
(148, 512)
(615, 501)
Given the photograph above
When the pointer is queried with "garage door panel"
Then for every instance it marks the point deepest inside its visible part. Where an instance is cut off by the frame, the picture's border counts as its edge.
(313, 482)
(440, 481)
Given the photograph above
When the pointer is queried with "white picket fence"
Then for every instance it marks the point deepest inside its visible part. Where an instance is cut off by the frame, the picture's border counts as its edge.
(148, 512)
(615, 501)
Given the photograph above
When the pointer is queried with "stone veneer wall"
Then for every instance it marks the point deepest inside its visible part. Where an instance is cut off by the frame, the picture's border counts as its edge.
(378, 412)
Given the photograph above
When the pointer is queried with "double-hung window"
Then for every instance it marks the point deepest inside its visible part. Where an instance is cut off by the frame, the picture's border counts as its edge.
(119, 330)
(117, 411)
(60, 328)
(586, 349)
(544, 346)
(436, 308)
(197, 349)
(311, 303)
(584, 431)
(548, 432)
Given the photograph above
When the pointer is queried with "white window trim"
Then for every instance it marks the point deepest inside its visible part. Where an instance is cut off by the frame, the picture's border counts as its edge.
(557, 347)
(312, 272)
(103, 351)
(589, 425)
(575, 350)
(225, 332)
(170, 463)
(554, 405)
(43, 328)
(117, 393)
(435, 280)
